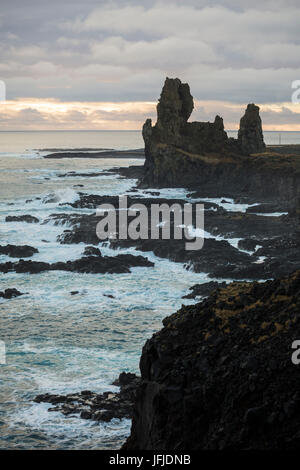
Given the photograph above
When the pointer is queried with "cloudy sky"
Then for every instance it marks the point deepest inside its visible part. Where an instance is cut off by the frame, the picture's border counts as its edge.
(74, 64)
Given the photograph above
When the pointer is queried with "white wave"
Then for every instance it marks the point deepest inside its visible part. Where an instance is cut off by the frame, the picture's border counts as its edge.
(71, 432)
(67, 195)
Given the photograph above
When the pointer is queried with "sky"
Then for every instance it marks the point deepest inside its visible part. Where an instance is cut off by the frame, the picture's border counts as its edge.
(74, 64)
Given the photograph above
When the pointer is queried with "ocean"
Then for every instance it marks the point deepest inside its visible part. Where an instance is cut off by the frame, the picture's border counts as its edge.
(59, 343)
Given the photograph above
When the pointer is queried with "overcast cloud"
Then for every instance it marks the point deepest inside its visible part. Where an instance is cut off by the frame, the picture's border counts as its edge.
(121, 51)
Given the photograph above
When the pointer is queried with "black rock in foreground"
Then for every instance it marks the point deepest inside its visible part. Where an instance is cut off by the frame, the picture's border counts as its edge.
(219, 375)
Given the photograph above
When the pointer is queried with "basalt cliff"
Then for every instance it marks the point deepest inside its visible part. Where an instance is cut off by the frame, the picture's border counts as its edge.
(201, 155)
(220, 374)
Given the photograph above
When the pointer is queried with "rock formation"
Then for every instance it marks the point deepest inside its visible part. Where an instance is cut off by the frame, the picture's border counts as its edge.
(97, 406)
(18, 251)
(173, 129)
(219, 375)
(250, 135)
(87, 264)
(10, 293)
(199, 155)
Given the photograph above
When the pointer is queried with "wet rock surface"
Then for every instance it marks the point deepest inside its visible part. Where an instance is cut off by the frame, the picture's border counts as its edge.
(132, 172)
(203, 290)
(30, 219)
(219, 374)
(10, 293)
(91, 251)
(97, 406)
(18, 251)
(218, 257)
(88, 264)
(248, 244)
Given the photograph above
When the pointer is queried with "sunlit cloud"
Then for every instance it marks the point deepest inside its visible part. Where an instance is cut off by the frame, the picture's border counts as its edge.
(52, 114)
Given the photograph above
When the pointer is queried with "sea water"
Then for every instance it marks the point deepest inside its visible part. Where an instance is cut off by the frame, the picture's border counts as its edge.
(62, 343)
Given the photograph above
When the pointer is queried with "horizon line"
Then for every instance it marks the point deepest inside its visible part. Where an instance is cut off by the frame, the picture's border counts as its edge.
(107, 130)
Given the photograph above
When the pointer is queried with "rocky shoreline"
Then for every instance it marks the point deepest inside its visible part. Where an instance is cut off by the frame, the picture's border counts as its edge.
(246, 245)
(215, 376)
(265, 247)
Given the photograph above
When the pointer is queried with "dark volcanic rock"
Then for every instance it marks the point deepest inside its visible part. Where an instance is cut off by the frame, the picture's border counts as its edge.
(92, 251)
(218, 257)
(73, 174)
(131, 172)
(248, 244)
(135, 153)
(250, 135)
(219, 374)
(268, 208)
(204, 289)
(94, 406)
(30, 219)
(172, 130)
(18, 251)
(200, 156)
(87, 264)
(10, 293)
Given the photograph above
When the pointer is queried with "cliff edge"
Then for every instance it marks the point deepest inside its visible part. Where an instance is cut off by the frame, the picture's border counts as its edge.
(219, 375)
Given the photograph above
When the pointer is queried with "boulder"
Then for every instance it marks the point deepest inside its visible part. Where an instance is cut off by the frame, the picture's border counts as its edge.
(18, 251)
(92, 251)
(10, 293)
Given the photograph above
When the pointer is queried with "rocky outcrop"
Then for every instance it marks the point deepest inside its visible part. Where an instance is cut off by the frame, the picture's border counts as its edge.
(203, 290)
(172, 129)
(88, 264)
(30, 219)
(105, 153)
(219, 375)
(10, 293)
(97, 406)
(18, 251)
(219, 258)
(250, 135)
(200, 155)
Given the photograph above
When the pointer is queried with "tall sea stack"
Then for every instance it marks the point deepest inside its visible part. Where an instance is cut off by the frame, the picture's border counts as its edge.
(250, 135)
